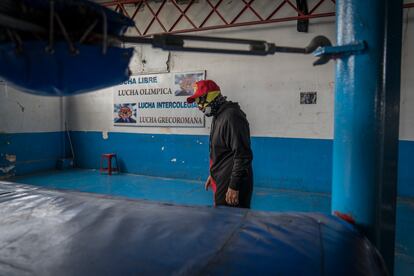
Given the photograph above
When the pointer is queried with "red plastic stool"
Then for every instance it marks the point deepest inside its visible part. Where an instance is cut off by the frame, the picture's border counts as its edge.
(109, 168)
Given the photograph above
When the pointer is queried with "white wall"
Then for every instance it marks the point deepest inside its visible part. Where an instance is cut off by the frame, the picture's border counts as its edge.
(407, 78)
(267, 88)
(21, 112)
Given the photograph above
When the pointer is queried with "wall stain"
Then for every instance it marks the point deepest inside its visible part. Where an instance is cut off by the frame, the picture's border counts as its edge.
(10, 157)
(7, 169)
(21, 106)
(168, 62)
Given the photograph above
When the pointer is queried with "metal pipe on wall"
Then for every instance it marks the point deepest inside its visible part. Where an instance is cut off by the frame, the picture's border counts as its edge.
(365, 149)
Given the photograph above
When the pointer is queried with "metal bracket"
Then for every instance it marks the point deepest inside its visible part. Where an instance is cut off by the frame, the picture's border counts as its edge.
(334, 52)
(255, 47)
(302, 24)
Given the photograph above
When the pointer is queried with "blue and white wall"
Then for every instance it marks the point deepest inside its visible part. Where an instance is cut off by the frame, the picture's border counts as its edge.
(287, 137)
(406, 152)
(292, 143)
(31, 132)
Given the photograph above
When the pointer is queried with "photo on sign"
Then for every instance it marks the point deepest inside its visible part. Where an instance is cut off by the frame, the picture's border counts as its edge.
(183, 83)
(125, 113)
(308, 97)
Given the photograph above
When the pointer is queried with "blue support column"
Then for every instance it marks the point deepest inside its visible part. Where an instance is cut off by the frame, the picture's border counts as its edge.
(367, 118)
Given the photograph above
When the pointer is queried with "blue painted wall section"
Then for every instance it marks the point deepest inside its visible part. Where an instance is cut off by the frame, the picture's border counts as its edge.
(176, 156)
(281, 163)
(292, 163)
(301, 164)
(33, 152)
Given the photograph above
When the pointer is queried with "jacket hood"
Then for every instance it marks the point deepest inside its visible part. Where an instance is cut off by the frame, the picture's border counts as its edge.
(229, 105)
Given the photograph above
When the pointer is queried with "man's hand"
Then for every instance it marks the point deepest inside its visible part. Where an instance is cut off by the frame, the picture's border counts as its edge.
(208, 183)
(232, 197)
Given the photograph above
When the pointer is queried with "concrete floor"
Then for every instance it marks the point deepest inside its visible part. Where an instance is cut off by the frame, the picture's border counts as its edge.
(188, 192)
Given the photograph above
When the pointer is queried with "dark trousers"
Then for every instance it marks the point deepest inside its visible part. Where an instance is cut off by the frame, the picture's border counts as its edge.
(245, 195)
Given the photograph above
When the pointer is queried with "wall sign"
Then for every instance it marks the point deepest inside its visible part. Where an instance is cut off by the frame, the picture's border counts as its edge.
(157, 100)
(308, 97)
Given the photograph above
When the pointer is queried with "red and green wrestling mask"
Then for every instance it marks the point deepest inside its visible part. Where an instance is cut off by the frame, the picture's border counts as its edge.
(205, 92)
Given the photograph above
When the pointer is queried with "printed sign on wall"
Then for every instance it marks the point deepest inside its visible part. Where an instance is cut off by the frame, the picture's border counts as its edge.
(308, 97)
(157, 100)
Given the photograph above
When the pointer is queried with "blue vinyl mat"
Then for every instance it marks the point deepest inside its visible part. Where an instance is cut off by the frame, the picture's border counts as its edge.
(187, 192)
(51, 232)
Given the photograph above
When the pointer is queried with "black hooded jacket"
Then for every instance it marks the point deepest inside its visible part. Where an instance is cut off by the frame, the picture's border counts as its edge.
(230, 154)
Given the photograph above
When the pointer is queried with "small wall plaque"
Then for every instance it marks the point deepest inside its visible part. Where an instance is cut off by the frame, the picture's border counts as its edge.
(308, 97)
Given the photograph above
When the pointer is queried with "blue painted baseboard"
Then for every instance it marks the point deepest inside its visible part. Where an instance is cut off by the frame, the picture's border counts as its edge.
(291, 163)
(34, 152)
(175, 156)
(406, 169)
(282, 163)
(278, 162)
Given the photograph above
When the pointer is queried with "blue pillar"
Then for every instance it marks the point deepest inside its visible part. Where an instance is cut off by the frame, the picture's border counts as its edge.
(367, 118)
